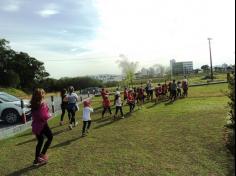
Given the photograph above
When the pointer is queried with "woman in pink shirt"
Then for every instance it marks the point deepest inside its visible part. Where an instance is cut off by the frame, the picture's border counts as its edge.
(40, 116)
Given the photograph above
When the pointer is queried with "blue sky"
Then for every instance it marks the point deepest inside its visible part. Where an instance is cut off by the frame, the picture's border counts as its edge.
(86, 37)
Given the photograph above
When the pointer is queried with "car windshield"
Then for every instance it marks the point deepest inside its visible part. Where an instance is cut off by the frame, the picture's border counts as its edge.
(8, 98)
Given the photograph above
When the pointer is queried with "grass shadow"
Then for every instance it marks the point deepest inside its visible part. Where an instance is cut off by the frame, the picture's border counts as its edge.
(65, 143)
(24, 170)
(34, 139)
(169, 103)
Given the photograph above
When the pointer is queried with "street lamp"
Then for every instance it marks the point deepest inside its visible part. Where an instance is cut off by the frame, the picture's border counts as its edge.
(209, 39)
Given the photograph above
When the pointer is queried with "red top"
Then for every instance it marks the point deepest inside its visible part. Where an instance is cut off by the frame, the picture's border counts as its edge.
(164, 88)
(106, 102)
(104, 94)
(130, 98)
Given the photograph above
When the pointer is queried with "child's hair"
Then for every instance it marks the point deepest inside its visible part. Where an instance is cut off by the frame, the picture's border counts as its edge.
(117, 96)
(37, 97)
(159, 84)
(71, 89)
(63, 92)
(86, 103)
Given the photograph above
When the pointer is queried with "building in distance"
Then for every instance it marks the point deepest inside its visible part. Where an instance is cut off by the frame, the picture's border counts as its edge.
(181, 68)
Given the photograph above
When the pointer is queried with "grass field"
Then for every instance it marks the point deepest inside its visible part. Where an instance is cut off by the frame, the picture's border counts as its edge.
(192, 79)
(183, 139)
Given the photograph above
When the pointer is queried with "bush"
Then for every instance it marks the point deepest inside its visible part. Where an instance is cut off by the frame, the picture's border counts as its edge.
(231, 95)
(230, 140)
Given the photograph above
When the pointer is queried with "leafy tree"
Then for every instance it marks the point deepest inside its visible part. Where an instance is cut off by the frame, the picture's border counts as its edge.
(10, 79)
(27, 70)
(205, 68)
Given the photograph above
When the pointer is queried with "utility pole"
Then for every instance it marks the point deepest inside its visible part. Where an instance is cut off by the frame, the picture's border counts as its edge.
(212, 76)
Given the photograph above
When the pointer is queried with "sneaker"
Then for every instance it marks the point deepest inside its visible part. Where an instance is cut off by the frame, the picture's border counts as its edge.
(70, 127)
(122, 117)
(35, 163)
(76, 124)
(39, 162)
(43, 157)
(83, 134)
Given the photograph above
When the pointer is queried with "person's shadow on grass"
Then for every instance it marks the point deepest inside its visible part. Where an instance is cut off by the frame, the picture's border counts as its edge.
(65, 143)
(24, 170)
(34, 139)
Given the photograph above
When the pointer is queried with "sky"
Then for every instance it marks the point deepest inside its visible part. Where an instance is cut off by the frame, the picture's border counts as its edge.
(86, 37)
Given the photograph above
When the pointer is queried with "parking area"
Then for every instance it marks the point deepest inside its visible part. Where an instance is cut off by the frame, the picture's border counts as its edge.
(57, 108)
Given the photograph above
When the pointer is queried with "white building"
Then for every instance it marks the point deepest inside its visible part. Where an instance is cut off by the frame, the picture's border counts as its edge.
(181, 68)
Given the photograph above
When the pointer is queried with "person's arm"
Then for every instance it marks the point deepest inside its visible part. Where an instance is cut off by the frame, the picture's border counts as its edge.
(77, 97)
(45, 114)
(91, 109)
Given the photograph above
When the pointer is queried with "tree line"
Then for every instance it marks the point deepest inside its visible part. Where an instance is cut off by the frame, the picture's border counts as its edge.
(20, 70)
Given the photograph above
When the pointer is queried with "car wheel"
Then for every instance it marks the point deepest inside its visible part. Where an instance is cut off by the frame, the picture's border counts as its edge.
(10, 116)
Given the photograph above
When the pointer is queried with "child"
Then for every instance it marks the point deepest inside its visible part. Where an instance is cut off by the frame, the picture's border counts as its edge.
(158, 92)
(125, 94)
(164, 89)
(64, 104)
(40, 116)
(106, 105)
(173, 91)
(103, 93)
(179, 89)
(119, 105)
(72, 107)
(86, 118)
(185, 88)
(131, 101)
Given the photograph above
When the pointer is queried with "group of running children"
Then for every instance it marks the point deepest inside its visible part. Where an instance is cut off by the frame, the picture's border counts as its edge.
(138, 96)
(133, 97)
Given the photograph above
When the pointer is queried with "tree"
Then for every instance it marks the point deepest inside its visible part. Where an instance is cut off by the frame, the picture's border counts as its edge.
(128, 69)
(10, 79)
(160, 69)
(20, 66)
(30, 70)
(205, 68)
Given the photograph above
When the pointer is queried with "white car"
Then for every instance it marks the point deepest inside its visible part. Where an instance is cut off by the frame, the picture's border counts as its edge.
(10, 108)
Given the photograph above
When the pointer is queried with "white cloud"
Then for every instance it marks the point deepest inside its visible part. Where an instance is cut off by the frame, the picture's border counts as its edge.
(49, 10)
(11, 5)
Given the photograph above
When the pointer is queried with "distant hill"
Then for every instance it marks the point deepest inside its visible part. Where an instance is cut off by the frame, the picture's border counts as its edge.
(16, 92)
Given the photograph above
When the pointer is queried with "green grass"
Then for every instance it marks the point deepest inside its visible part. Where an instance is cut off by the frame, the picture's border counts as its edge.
(15, 92)
(192, 79)
(184, 138)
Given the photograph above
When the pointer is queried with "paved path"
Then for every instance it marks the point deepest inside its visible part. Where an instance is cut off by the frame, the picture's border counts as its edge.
(57, 106)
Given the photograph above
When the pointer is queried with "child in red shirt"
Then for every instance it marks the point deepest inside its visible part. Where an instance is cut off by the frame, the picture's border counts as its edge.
(158, 92)
(106, 105)
(131, 100)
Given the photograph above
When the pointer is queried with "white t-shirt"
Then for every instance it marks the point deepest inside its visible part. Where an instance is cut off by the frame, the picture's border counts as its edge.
(72, 98)
(119, 102)
(86, 113)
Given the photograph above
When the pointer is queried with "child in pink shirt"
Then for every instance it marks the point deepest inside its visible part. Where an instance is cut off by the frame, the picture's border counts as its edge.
(40, 116)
